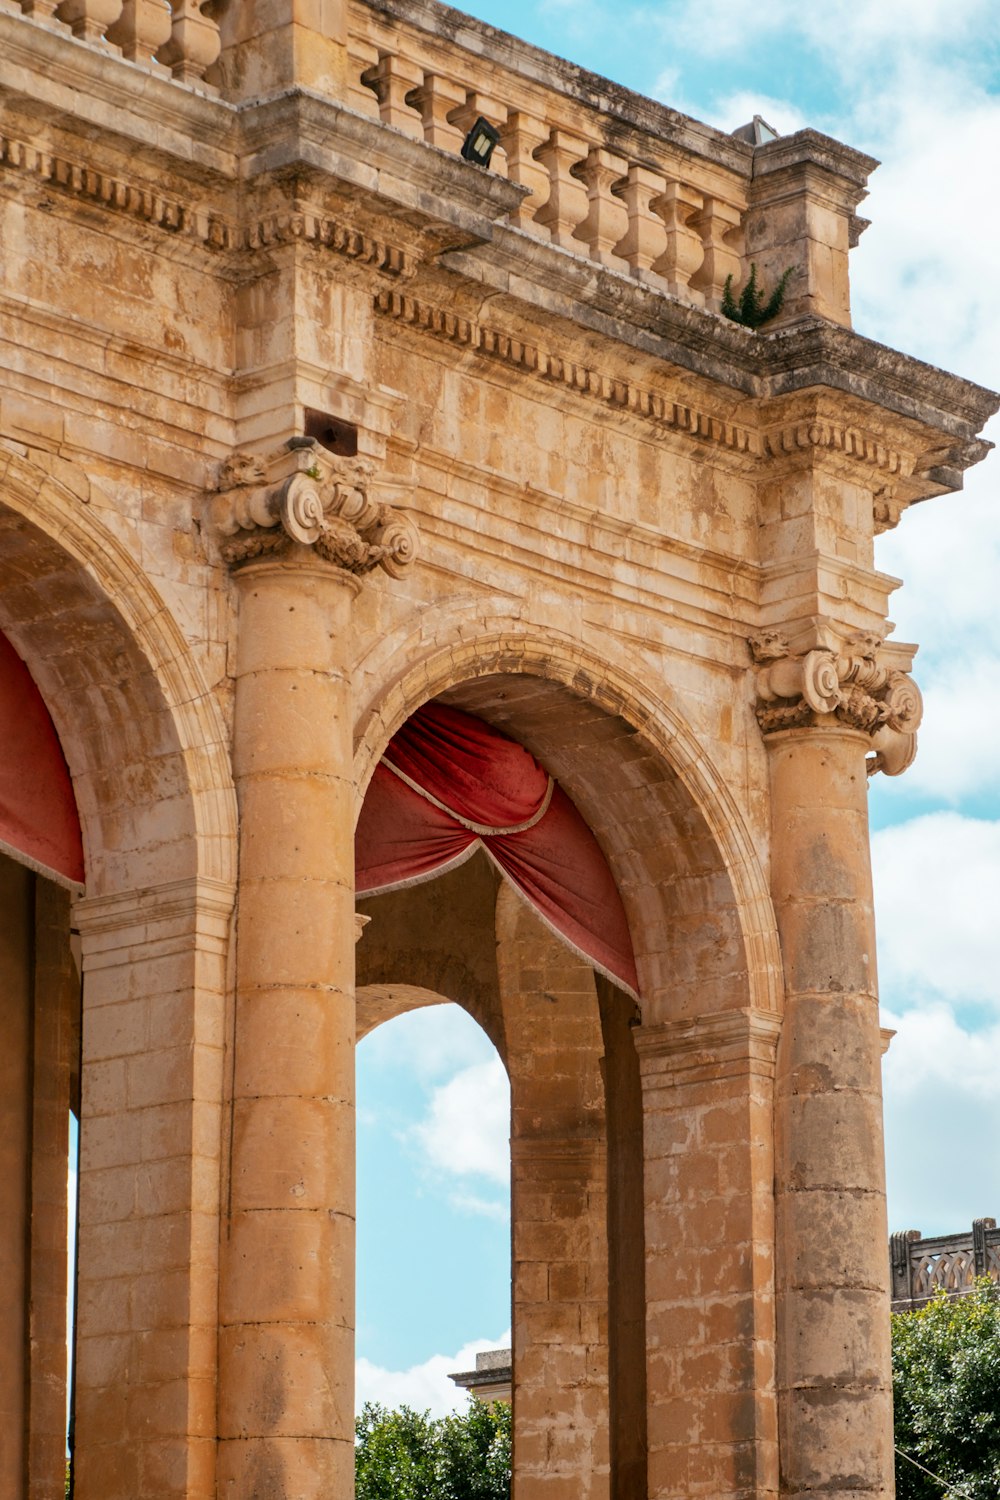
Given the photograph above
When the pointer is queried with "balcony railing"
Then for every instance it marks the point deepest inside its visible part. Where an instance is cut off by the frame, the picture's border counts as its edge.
(949, 1261)
(178, 38)
(630, 198)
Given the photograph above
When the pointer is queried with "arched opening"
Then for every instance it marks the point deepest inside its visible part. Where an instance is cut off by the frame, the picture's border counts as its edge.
(144, 747)
(433, 1248)
(641, 1131)
(494, 945)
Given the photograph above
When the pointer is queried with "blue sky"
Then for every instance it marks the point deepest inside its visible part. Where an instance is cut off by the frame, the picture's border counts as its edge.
(917, 84)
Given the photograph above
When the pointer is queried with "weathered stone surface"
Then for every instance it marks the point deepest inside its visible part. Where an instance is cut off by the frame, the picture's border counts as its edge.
(553, 485)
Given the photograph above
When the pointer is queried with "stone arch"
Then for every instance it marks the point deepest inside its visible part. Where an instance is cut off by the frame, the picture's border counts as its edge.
(554, 695)
(147, 749)
(143, 736)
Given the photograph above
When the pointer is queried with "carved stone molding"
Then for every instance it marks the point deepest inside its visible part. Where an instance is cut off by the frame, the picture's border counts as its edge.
(693, 1049)
(305, 496)
(850, 685)
(140, 200)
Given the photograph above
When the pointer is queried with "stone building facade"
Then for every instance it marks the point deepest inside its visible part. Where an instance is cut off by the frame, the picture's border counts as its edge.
(306, 421)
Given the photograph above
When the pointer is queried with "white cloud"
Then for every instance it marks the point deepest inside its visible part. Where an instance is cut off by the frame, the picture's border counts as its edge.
(937, 906)
(958, 741)
(739, 109)
(467, 1128)
(430, 1042)
(942, 1121)
(424, 1387)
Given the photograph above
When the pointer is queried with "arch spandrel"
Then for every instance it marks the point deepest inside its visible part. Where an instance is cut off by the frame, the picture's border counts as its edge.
(690, 876)
(143, 736)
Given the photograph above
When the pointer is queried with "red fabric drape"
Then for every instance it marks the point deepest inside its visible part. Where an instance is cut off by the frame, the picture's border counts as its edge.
(449, 782)
(39, 824)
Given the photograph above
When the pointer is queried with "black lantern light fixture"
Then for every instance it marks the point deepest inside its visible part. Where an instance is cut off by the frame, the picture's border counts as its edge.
(480, 142)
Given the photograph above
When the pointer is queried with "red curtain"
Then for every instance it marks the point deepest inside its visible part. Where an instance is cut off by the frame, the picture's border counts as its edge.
(450, 783)
(39, 825)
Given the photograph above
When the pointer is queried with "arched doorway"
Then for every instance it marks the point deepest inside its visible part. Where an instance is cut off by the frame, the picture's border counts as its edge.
(144, 744)
(643, 1291)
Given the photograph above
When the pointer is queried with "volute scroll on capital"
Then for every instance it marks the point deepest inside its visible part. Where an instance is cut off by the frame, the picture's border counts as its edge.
(305, 496)
(851, 685)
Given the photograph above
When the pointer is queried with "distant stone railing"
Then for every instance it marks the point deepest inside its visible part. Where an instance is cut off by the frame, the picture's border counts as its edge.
(949, 1261)
(630, 199)
(179, 38)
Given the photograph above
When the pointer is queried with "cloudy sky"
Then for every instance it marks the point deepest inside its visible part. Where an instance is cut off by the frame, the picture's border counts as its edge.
(917, 84)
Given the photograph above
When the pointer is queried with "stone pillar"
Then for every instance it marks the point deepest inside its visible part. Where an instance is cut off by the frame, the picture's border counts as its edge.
(297, 525)
(16, 954)
(554, 1044)
(56, 1005)
(287, 1337)
(707, 1086)
(154, 964)
(834, 1379)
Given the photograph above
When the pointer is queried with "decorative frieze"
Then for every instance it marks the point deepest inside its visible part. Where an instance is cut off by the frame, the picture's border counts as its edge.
(305, 496)
(851, 685)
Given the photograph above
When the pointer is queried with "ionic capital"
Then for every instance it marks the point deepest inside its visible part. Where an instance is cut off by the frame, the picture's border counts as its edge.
(305, 496)
(851, 686)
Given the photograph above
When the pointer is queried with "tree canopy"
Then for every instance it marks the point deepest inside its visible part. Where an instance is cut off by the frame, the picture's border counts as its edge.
(946, 1392)
(406, 1455)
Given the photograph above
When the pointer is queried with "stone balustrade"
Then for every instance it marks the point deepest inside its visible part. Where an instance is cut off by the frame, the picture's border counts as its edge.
(636, 202)
(952, 1262)
(625, 182)
(174, 37)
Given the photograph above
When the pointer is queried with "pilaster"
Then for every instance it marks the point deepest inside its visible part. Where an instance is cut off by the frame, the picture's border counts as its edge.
(707, 1087)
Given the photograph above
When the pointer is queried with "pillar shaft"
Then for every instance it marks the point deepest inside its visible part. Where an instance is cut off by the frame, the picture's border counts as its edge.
(834, 1382)
(286, 1408)
(16, 952)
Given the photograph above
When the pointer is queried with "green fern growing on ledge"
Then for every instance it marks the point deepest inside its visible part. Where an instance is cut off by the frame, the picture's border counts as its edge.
(751, 310)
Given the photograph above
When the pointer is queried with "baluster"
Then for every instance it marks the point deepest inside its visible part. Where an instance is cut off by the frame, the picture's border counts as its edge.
(521, 137)
(362, 57)
(646, 239)
(437, 99)
(143, 28)
(39, 10)
(392, 79)
(720, 224)
(194, 43)
(490, 108)
(607, 218)
(685, 252)
(89, 19)
(566, 205)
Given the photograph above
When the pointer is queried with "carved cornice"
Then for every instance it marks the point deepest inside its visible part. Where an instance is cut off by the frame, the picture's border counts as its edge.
(839, 437)
(850, 686)
(305, 496)
(791, 438)
(189, 221)
(623, 395)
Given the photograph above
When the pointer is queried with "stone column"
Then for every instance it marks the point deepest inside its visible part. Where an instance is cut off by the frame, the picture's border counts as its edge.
(834, 1377)
(287, 1315)
(286, 1356)
(831, 716)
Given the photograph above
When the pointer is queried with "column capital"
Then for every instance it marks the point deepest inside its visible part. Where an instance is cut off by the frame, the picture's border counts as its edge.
(301, 495)
(862, 686)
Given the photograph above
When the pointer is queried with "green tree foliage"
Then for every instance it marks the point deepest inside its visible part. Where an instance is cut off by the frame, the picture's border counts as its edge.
(750, 309)
(946, 1390)
(403, 1455)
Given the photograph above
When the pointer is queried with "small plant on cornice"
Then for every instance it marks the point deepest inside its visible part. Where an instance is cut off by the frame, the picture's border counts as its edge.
(313, 472)
(751, 310)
